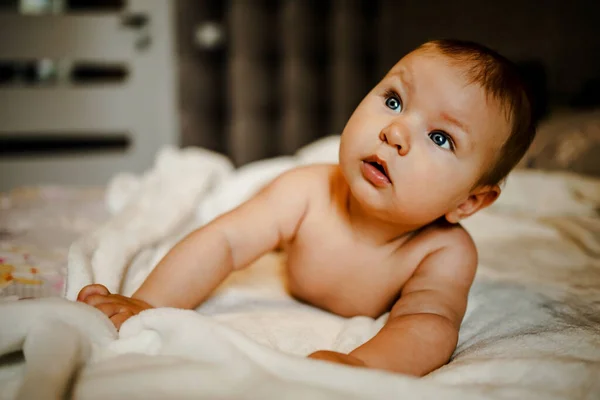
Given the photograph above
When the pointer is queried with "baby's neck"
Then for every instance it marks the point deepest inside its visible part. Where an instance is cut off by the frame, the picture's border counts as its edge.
(364, 224)
(372, 229)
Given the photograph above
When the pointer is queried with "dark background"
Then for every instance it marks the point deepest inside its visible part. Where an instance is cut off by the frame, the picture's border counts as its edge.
(341, 48)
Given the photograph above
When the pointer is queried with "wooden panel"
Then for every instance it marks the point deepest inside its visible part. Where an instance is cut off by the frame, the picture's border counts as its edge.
(73, 36)
(44, 110)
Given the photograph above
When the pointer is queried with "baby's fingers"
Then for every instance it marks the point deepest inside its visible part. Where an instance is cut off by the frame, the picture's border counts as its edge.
(96, 299)
(110, 309)
(89, 290)
(121, 317)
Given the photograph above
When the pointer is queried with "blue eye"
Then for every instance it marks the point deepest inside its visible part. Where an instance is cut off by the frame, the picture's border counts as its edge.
(441, 139)
(393, 102)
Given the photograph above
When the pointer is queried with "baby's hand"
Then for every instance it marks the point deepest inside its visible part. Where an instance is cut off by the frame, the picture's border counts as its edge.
(339, 358)
(116, 307)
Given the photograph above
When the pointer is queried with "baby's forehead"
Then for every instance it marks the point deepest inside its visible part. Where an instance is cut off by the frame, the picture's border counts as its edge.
(410, 67)
(432, 56)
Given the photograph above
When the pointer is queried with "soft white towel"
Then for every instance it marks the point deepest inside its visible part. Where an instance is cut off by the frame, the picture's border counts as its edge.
(146, 211)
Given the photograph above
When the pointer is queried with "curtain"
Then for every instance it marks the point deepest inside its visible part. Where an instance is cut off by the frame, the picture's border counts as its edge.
(287, 73)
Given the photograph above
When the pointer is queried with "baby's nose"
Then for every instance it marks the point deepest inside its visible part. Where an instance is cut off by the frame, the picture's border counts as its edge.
(395, 136)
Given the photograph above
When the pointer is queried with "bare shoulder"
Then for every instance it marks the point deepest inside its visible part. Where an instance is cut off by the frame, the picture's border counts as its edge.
(279, 208)
(305, 184)
(448, 253)
(306, 176)
(291, 195)
(446, 237)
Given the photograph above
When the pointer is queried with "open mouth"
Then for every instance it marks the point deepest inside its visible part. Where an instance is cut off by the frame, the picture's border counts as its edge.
(377, 171)
(379, 168)
(379, 164)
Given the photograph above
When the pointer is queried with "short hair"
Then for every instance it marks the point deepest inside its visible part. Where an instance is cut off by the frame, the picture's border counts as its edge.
(500, 78)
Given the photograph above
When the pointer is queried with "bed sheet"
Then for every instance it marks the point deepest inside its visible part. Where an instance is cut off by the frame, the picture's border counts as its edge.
(37, 226)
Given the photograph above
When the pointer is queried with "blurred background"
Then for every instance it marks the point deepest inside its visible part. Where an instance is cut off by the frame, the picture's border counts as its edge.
(89, 88)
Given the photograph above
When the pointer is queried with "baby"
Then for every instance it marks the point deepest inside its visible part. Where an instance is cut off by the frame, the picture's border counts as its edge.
(378, 232)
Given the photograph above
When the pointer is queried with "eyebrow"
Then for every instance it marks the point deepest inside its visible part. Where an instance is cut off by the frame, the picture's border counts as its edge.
(448, 118)
(401, 75)
(462, 135)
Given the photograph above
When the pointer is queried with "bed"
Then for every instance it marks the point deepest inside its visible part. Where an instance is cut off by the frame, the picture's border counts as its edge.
(532, 328)
(37, 225)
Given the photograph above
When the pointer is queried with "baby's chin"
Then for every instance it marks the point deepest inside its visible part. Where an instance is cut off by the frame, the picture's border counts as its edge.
(394, 211)
(375, 202)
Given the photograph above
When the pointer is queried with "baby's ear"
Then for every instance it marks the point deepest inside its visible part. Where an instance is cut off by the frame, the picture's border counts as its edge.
(479, 198)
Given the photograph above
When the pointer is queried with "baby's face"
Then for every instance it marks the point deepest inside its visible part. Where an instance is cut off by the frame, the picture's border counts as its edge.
(430, 132)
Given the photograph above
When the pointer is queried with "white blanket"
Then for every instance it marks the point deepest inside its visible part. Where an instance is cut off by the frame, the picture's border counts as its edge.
(531, 329)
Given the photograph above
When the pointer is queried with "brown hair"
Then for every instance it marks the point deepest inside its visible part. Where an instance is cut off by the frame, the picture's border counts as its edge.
(500, 78)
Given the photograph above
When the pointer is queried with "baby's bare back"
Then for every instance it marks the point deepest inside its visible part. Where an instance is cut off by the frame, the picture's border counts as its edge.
(330, 265)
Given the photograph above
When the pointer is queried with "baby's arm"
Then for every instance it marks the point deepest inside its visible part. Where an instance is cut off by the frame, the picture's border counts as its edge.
(422, 329)
(198, 263)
